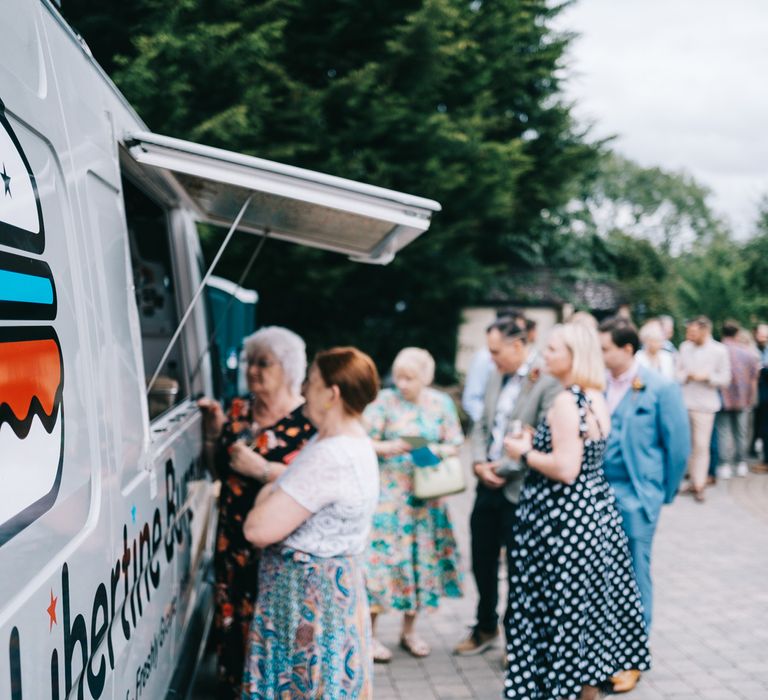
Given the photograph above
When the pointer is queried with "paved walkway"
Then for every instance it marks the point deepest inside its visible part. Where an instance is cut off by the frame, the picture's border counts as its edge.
(710, 636)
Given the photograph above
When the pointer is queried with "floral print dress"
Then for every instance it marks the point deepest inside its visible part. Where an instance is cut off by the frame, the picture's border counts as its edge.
(412, 558)
(236, 562)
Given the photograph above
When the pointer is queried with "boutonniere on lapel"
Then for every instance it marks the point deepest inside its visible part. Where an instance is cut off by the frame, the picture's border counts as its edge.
(637, 384)
(533, 375)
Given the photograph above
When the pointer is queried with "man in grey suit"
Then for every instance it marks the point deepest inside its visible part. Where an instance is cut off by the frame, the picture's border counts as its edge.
(517, 393)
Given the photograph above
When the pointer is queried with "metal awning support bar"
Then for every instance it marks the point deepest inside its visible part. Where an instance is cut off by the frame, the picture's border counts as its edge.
(223, 316)
(199, 291)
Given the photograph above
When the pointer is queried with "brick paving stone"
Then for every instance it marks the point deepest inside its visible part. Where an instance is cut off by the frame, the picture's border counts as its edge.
(719, 695)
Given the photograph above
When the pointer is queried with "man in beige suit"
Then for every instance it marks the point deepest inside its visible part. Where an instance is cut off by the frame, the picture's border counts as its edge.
(703, 368)
(517, 394)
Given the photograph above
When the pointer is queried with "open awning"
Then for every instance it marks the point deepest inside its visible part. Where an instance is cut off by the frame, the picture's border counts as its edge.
(367, 223)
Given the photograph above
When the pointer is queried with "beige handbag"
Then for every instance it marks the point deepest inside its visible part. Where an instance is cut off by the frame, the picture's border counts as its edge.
(442, 479)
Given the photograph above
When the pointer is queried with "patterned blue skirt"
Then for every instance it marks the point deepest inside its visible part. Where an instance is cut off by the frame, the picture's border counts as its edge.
(311, 632)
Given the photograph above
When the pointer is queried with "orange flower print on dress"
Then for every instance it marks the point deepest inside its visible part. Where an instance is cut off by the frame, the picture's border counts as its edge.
(266, 441)
(227, 611)
(237, 408)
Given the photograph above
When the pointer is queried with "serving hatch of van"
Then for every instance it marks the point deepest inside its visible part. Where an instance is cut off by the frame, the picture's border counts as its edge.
(370, 224)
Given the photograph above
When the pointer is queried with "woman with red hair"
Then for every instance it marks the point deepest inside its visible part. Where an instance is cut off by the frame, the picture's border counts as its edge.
(310, 635)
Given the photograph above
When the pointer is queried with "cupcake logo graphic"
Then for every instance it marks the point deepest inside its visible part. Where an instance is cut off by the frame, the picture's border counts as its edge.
(31, 366)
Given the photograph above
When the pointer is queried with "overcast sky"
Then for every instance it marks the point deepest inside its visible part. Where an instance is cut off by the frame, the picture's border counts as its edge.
(684, 85)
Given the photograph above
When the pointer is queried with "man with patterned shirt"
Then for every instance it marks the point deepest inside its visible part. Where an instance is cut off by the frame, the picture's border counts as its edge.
(738, 397)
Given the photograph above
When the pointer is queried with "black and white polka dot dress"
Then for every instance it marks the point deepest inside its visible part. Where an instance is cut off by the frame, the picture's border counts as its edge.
(574, 616)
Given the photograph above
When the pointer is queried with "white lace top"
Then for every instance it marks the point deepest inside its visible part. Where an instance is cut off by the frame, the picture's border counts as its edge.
(336, 478)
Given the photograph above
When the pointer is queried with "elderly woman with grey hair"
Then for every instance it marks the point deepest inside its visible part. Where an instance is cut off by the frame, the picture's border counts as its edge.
(653, 354)
(412, 559)
(249, 446)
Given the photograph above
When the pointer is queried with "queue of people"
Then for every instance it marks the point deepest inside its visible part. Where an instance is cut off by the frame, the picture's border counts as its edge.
(319, 528)
(575, 452)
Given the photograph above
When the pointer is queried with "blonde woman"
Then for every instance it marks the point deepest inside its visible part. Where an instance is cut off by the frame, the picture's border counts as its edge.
(574, 618)
(412, 558)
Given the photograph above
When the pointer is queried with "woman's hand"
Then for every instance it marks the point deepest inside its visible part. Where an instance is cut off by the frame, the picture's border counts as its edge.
(392, 448)
(515, 446)
(213, 417)
(247, 462)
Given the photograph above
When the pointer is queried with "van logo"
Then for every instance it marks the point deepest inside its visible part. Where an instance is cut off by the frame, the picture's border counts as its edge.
(31, 364)
(21, 216)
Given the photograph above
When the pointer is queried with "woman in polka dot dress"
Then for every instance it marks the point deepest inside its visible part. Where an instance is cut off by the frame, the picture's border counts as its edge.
(574, 617)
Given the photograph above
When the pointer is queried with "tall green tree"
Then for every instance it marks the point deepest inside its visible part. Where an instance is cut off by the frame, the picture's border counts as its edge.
(713, 282)
(450, 99)
(669, 209)
(651, 231)
(756, 273)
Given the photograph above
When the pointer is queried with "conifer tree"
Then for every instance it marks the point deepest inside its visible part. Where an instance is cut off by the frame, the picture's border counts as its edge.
(456, 100)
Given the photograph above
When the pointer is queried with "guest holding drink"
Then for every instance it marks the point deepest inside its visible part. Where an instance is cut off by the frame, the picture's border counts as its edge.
(574, 617)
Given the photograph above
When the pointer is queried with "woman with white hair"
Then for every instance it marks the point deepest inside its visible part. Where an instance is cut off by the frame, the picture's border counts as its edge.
(653, 354)
(412, 557)
(251, 445)
(574, 617)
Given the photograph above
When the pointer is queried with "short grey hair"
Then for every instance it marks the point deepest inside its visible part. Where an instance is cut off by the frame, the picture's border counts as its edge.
(652, 330)
(418, 360)
(287, 347)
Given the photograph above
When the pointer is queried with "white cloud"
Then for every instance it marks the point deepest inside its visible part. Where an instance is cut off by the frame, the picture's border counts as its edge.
(682, 83)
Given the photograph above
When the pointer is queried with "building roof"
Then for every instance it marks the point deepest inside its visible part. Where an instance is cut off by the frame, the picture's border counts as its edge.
(547, 287)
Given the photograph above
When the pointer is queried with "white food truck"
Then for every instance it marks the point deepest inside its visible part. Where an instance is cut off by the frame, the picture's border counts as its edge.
(106, 514)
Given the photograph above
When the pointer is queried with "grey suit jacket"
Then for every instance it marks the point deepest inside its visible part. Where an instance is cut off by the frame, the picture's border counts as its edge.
(532, 403)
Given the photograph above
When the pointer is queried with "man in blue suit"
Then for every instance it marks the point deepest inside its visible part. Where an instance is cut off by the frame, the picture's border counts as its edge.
(647, 451)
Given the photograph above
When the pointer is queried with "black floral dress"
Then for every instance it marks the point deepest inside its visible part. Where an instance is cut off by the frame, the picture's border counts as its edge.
(236, 562)
(574, 616)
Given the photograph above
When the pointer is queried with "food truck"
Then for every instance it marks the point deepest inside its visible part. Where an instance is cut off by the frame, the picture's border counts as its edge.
(107, 516)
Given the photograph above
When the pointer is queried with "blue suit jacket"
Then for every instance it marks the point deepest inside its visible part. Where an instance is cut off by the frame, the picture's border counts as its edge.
(654, 439)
